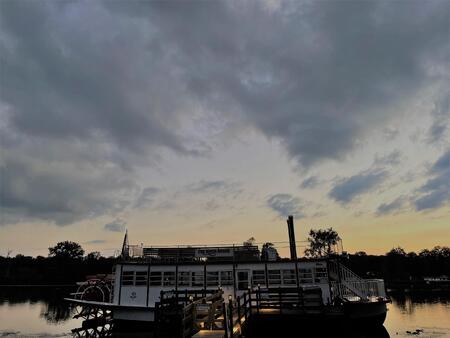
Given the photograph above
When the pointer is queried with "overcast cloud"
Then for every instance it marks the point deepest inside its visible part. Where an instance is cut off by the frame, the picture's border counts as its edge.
(93, 91)
(286, 204)
(436, 191)
(347, 189)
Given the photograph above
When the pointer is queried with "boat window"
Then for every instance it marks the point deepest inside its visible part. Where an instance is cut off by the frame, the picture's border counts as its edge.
(226, 277)
(274, 277)
(243, 279)
(128, 278)
(212, 278)
(169, 278)
(289, 277)
(321, 275)
(141, 278)
(305, 276)
(155, 278)
(184, 278)
(197, 278)
(259, 277)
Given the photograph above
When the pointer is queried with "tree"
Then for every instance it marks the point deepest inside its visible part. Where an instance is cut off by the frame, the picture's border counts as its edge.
(250, 242)
(66, 250)
(93, 256)
(398, 251)
(321, 242)
(269, 253)
(424, 253)
(439, 251)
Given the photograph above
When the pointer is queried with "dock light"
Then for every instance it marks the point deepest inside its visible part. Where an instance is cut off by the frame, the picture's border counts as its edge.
(191, 299)
(230, 298)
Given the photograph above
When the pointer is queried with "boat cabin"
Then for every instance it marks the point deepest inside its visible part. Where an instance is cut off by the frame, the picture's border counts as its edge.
(140, 284)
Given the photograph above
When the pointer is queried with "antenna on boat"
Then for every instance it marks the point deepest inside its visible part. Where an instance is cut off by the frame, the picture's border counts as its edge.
(125, 246)
(292, 246)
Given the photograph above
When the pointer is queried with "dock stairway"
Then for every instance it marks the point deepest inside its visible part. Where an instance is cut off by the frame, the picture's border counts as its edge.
(348, 286)
(193, 310)
(206, 313)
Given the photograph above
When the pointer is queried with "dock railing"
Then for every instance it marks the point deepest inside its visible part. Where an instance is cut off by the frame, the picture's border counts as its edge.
(276, 301)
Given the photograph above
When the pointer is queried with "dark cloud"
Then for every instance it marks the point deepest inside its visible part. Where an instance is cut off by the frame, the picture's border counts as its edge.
(211, 205)
(96, 241)
(346, 189)
(392, 207)
(64, 78)
(319, 89)
(91, 90)
(436, 191)
(146, 198)
(222, 188)
(390, 133)
(391, 159)
(285, 205)
(35, 189)
(441, 120)
(310, 182)
(117, 225)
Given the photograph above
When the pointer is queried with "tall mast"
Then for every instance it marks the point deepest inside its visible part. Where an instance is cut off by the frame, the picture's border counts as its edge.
(125, 246)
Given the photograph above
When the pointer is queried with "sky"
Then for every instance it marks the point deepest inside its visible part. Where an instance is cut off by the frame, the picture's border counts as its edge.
(209, 122)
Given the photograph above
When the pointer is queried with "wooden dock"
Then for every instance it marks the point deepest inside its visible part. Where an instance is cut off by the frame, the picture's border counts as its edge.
(207, 315)
(210, 334)
(201, 311)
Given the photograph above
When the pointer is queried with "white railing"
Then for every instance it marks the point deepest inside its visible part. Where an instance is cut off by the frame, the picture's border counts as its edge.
(348, 285)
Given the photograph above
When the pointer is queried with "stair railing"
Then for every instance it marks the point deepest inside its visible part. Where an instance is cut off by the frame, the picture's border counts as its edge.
(350, 286)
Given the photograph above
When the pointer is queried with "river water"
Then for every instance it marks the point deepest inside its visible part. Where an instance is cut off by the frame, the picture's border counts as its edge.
(40, 312)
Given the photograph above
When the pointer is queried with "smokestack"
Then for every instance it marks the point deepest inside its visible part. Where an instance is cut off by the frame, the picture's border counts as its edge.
(292, 246)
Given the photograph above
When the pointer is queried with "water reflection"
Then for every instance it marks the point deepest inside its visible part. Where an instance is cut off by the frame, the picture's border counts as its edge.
(50, 300)
(35, 312)
(56, 312)
(381, 332)
(40, 312)
(410, 303)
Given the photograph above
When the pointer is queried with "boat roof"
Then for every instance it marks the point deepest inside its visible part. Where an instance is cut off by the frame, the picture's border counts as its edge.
(143, 261)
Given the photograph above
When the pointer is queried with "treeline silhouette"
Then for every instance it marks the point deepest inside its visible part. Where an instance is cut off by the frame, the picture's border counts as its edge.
(67, 264)
(402, 270)
(25, 270)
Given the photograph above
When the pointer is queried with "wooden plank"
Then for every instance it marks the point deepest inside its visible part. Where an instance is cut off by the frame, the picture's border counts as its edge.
(210, 334)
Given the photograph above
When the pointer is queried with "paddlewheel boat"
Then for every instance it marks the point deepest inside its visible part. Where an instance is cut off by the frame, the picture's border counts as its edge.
(134, 289)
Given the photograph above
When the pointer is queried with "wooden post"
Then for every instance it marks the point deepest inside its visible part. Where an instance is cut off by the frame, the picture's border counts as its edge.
(258, 299)
(194, 315)
(182, 322)
(148, 284)
(245, 306)
(225, 322)
(120, 283)
(279, 298)
(161, 297)
(230, 318)
(250, 301)
(204, 279)
(238, 300)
